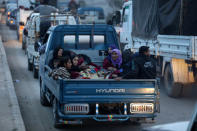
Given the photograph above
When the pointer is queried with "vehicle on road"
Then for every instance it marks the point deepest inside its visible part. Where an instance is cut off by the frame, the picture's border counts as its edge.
(12, 20)
(90, 15)
(37, 28)
(21, 19)
(76, 99)
(173, 43)
(8, 12)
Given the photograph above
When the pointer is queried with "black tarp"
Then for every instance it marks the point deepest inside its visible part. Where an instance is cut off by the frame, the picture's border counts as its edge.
(167, 17)
(145, 18)
(189, 26)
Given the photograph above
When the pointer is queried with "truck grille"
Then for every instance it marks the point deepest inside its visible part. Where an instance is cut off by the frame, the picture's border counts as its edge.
(76, 109)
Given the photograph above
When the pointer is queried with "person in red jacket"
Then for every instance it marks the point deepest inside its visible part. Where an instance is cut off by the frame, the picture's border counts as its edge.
(113, 63)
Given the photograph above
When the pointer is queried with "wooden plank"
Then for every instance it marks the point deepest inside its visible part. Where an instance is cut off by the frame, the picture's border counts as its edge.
(181, 71)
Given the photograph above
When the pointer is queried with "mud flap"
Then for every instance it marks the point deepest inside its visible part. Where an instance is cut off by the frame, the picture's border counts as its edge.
(181, 72)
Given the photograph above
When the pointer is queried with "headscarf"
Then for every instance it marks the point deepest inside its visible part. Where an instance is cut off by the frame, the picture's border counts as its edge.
(118, 61)
(55, 53)
(112, 47)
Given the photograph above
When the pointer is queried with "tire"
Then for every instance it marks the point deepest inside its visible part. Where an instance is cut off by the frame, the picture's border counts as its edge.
(35, 72)
(56, 123)
(43, 99)
(17, 35)
(30, 66)
(172, 89)
(23, 45)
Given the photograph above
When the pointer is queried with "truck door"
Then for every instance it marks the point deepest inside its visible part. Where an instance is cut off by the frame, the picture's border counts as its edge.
(125, 31)
(43, 56)
(124, 35)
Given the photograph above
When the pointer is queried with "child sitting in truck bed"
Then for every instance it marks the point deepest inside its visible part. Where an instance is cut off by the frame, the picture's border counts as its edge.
(62, 72)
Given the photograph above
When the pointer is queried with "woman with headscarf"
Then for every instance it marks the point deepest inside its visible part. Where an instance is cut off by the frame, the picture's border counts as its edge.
(114, 63)
(108, 58)
(110, 48)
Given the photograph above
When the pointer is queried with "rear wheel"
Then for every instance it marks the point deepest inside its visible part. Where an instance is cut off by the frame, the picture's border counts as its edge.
(35, 72)
(173, 89)
(56, 123)
(43, 99)
(30, 65)
(23, 45)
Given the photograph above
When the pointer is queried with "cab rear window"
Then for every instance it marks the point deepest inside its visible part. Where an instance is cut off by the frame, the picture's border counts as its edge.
(84, 42)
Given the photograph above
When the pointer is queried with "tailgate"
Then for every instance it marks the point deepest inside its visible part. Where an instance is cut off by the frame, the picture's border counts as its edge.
(108, 90)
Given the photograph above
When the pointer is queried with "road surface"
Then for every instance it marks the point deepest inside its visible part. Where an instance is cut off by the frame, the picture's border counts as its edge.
(39, 118)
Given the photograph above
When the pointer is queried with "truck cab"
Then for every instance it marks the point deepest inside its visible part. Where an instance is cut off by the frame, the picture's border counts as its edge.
(74, 100)
(125, 34)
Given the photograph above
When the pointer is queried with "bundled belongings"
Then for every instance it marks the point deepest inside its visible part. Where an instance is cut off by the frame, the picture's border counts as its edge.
(93, 73)
(60, 73)
(90, 73)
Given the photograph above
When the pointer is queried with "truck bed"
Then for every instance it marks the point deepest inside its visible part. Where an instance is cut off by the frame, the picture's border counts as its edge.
(105, 91)
(180, 47)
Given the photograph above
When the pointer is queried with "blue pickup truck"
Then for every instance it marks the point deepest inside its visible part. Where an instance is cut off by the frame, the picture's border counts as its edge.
(74, 100)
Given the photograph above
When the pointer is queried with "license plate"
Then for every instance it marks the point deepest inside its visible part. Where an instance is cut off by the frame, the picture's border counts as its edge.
(142, 108)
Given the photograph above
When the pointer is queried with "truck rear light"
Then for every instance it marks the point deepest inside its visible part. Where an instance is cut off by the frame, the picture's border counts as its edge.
(76, 108)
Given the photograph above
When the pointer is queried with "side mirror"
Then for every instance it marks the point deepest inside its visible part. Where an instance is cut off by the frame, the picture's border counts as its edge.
(37, 46)
(42, 49)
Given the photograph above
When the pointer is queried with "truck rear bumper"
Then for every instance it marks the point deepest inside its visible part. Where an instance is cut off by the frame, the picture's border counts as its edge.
(105, 118)
(123, 116)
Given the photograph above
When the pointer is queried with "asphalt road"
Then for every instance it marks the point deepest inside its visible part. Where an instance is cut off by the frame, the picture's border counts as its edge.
(39, 118)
